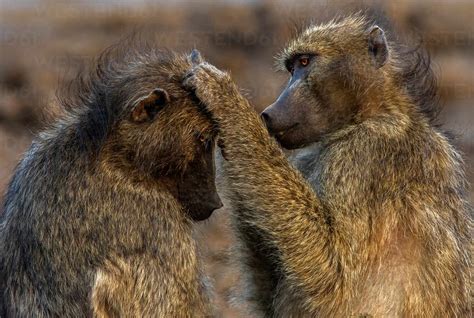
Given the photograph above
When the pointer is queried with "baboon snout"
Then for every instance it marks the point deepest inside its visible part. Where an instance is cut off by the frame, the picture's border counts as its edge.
(203, 209)
(215, 203)
(271, 120)
(276, 120)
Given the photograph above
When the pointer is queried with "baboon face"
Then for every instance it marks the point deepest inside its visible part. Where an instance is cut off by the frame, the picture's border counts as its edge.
(196, 187)
(329, 67)
(165, 134)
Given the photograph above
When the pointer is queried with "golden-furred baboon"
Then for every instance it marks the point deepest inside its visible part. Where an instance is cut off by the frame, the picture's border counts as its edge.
(98, 217)
(380, 226)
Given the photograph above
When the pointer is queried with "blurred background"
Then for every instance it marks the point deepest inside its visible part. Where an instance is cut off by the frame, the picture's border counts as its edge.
(44, 43)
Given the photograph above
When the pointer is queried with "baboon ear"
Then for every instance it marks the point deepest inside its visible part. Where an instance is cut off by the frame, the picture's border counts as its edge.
(378, 47)
(147, 108)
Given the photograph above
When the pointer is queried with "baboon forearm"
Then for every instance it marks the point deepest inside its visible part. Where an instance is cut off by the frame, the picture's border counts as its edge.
(275, 199)
(285, 208)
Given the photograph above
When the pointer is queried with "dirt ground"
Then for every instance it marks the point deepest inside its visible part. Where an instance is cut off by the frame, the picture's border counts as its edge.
(44, 43)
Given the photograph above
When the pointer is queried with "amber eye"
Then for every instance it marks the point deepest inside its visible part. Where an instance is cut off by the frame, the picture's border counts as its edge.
(200, 136)
(304, 61)
(206, 141)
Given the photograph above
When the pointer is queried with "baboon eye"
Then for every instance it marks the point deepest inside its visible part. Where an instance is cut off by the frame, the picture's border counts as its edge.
(205, 141)
(201, 137)
(304, 61)
(299, 61)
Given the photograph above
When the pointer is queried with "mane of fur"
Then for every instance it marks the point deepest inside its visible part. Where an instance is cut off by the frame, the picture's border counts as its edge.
(420, 82)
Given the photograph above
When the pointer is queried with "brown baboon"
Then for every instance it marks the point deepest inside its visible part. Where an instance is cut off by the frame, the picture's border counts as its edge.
(98, 216)
(382, 227)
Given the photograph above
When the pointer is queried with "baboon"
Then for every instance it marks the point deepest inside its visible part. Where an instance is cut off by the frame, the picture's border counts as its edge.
(380, 226)
(99, 214)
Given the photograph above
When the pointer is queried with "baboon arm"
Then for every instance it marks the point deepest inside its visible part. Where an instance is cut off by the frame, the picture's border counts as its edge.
(113, 293)
(277, 200)
(139, 286)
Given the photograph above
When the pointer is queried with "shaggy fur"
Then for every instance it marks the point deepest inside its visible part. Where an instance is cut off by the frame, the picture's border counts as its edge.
(377, 225)
(94, 221)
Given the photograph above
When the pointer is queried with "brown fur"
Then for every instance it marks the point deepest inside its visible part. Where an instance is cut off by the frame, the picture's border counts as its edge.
(380, 227)
(99, 215)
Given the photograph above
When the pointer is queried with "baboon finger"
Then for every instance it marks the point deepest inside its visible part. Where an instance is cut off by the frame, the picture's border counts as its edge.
(195, 57)
(189, 81)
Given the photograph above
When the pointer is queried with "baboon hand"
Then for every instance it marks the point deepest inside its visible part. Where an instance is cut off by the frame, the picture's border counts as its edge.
(212, 86)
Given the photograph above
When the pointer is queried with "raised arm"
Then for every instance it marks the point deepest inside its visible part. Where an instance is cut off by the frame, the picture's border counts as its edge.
(274, 198)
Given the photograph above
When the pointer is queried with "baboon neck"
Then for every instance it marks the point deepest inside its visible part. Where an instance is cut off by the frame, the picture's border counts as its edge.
(388, 100)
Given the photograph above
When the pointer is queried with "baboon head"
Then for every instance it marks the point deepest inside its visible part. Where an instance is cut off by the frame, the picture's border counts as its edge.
(163, 134)
(334, 68)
